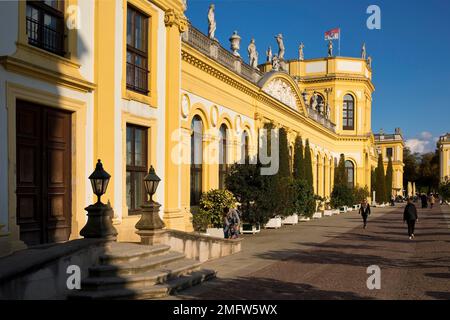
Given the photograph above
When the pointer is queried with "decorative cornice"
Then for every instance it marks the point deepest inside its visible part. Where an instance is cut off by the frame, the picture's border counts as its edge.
(171, 18)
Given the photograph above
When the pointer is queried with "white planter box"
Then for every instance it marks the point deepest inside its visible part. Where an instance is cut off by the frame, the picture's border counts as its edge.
(304, 219)
(215, 232)
(335, 211)
(343, 209)
(250, 228)
(273, 223)
(328, 213)
(290, 220)
(317, 215)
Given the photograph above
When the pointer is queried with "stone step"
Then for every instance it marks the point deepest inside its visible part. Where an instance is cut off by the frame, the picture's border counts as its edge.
(128, 252)
(135, 267)
(142, 280)
(153, 292)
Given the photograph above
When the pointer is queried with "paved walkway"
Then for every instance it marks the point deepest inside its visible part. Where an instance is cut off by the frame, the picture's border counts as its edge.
(328, 259)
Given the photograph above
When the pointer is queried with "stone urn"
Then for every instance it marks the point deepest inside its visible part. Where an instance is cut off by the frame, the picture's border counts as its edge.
(235, 41)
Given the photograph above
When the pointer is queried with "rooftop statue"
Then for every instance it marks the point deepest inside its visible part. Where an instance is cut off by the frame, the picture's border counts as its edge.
(275, 63)
(281, 48)
(363, 51)
(300, 52)
(252, 54)
(269, 54)
(330, 48)
(211, 23)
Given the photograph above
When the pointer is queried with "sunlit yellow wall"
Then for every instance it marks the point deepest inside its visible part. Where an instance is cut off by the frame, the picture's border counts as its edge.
(444, 157)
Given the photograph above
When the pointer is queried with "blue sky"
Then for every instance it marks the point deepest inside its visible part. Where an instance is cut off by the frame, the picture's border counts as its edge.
(411, 52)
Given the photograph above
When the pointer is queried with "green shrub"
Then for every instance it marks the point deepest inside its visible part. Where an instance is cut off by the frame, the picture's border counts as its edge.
(252, 191)
(211, 207)
(342, 195)
(304, 201)
(444, 190)
(360, 194)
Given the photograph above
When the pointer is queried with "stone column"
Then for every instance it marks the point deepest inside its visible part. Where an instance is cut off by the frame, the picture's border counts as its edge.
(175, 23)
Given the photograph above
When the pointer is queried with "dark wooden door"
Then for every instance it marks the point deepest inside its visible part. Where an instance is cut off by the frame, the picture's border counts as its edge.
(43, 155)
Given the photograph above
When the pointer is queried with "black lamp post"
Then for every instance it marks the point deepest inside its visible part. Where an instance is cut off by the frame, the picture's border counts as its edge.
(150, 226)
(99, 224)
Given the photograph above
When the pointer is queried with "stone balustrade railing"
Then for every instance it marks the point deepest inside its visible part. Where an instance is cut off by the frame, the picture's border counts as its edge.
(316, 116)
(213, 49)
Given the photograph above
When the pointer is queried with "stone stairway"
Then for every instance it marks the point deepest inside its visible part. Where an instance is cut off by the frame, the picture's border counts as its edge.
(134, 271)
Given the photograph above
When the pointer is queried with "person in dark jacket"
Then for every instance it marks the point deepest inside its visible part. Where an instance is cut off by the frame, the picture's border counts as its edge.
(364, 211)
(410, 217)
(424, 200)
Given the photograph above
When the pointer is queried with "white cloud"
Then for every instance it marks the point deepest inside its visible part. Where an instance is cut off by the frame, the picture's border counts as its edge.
(423, 143)
(416, 145)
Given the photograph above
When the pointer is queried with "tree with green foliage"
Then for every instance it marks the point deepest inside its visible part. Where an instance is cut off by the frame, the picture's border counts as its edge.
(299, 162)
(308, 165)
(304, 201)
(342, 194)
(210, 213)
(360, 194)
(339, 173)
(389, 174)
(444, 190)
(252, 191)
(380, 190)
(284, 168)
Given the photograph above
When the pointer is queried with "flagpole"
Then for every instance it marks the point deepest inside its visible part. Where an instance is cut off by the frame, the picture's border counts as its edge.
(339, 42)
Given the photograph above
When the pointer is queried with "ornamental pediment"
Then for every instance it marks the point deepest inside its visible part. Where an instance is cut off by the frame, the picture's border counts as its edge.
(283, 92)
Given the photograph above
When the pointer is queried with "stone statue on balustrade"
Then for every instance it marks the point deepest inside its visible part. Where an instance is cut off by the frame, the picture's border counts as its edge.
(281, 48)
(211, 23)
(275, 63)
(300, 52)
(363, 51)
(314, 101)
(327, 112)
(269, 54)
(330, 48)
(235, 41)
(252, 54)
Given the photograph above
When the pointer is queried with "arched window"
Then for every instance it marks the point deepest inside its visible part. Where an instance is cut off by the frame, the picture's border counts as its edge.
(223, 156)
(196, 159)
(350, 173)
(245, 145)
(348, 113)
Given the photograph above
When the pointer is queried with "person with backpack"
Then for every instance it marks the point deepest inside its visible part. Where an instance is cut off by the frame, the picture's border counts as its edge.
(364, 211)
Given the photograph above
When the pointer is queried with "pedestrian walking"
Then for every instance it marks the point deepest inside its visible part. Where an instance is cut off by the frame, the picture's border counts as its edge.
(432, 200)
(410, 217)
(424, 200)
(364, 211)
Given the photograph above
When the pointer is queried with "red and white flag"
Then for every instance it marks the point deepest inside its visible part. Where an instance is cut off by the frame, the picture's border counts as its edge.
(333, 34)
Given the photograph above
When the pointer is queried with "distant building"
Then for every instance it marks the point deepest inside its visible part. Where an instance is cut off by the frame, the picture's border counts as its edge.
(391, 145)
(444, 156)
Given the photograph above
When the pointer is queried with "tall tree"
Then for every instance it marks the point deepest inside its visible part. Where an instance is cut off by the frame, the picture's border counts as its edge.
(299, 162)
(373, 180)
(284, 169)
(308, 165)
(380, 195)
(339, 173)
(411, 168)
(389, 174)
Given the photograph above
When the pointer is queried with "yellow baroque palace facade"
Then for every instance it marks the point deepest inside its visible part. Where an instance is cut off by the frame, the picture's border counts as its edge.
(132, 83)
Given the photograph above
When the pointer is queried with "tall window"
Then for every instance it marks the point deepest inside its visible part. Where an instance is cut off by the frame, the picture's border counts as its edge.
(223, 156)
(137, 51)
(350, 173)
(389, 152)
(348, 115)
(45, 25)
(136, 167)
(245, 145)
(196, 160)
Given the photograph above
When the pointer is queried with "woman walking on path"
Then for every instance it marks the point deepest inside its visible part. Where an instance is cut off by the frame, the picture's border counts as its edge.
(432, 200)
(364, 211)
(410, 217)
